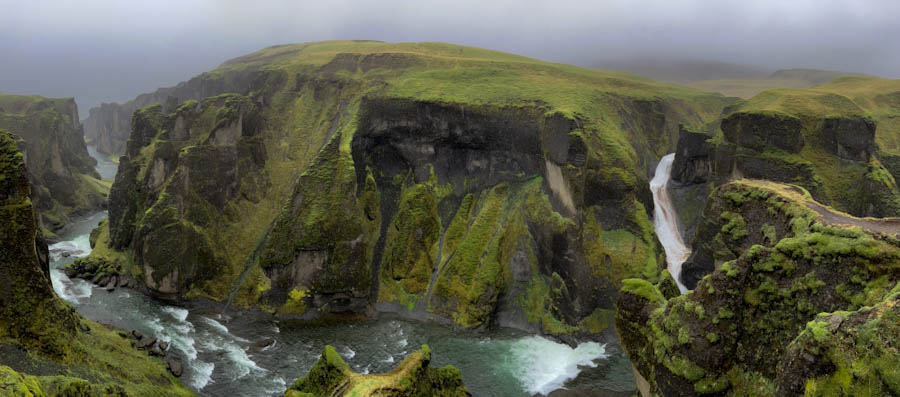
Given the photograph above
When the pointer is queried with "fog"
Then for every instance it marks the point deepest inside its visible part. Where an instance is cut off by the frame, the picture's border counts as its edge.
(102, 51)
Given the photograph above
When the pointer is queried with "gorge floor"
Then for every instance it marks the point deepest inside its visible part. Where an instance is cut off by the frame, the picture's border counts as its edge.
(252, 354)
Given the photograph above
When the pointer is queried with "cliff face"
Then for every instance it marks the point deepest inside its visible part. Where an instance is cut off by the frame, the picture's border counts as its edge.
(838, 141)
(29, 309)
(791, 295)
(360, 176)
(40, 332)
(62, 172)
(108, 126)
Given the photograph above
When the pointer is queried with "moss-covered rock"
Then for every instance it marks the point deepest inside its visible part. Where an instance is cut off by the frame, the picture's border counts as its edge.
(740, 331)
(331, 376)
(29, 309)
(62, 172)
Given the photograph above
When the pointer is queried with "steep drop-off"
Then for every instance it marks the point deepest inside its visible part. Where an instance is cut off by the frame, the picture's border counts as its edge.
(42, 334)
(798, 301)
(62, 172)
(438, 181)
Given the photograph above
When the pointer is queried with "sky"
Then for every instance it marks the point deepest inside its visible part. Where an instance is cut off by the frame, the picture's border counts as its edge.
(105, 51)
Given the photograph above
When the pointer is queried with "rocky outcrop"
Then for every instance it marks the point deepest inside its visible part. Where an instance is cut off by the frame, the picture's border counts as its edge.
(108, 126)
(331, 376)
(179, 172)
(62, 172)
(774, 265)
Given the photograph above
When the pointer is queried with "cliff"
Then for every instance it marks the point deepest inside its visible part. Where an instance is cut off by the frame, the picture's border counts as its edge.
(108, 126)
(61, 170)
(331, 376)
(793, 298)
(40, 332)
(442, 182)
(838, 140)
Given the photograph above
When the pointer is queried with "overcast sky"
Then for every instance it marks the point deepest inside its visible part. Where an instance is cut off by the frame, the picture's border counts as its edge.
(113, 50)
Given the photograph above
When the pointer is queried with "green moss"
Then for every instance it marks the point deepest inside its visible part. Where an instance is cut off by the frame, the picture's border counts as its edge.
(413, 378)
(735, 227)
(643, 289)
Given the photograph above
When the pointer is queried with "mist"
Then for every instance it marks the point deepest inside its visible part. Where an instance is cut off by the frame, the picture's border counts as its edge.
(105, 51)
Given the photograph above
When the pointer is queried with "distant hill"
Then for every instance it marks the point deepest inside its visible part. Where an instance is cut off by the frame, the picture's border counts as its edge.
(785, 78)
(684, 70)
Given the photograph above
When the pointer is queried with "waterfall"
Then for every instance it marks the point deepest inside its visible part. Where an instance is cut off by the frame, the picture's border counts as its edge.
(665, 220)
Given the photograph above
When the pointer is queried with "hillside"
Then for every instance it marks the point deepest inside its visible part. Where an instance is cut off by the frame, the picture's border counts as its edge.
(747, 87)
(60, 168)
(443, 182)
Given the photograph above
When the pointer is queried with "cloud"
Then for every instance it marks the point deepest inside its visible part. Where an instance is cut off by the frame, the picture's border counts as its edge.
(112, 50)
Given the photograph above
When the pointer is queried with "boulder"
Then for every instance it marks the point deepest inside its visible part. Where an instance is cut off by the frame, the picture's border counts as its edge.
(174, 366)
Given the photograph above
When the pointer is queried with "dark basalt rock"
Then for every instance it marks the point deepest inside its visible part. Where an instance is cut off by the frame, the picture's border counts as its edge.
(849, 138)
(761, 130)
(174, 366)
(693, 158)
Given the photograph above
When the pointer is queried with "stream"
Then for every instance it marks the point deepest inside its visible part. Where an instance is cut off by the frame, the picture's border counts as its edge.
(248, 353)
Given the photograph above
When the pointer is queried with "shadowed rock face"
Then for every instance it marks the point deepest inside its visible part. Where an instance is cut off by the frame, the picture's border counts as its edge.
(761, 130)
(849, 138)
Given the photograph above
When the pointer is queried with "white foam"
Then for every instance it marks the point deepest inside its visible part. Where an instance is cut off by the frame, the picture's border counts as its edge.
(176, 312)
(68, 289)
(216, 325)
(202, 374)
(402, 342)
(348, 353)
(238, 356)
(388, 360)
(542, 366)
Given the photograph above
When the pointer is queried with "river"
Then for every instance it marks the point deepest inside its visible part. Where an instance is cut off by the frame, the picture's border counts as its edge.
(665, 220)
(224, 355)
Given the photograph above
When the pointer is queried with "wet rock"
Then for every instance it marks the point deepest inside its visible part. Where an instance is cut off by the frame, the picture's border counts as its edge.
(163, 346)
(111, 284)
(174, 366)
(262, 344)
(157, 352)
(146, 343)
(137, 334)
